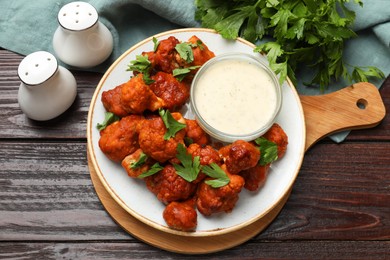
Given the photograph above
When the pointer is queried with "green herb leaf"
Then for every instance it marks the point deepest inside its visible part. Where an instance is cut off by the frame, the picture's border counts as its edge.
(296, 31)
(141, 161)
(199, 44)
(268, 151)
(212, 15)
(156, 44)
(185, 51)
(361, 74)
(109, 118)
(281, 69)
(170, 123)
(153, 170)
(214, 171)
(140, 64)
(189, 169)
(273, 50)
(280, 22)
(229, 27)
(181, 73)
(147, 79)
(255, 27)
(272, 2)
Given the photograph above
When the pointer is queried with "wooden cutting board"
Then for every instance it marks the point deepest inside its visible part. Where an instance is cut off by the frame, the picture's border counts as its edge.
(354, 107)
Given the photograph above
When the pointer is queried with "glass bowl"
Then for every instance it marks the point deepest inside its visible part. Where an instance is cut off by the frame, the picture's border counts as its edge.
(235, 96)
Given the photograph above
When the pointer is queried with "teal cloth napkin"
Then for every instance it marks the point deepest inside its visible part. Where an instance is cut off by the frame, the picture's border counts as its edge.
(28, 26)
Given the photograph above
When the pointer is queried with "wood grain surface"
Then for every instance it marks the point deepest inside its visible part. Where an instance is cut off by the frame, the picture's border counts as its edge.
(338, 209)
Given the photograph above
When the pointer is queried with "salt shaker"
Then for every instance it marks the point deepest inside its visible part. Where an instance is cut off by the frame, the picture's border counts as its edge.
(81, 40)
(47, 89)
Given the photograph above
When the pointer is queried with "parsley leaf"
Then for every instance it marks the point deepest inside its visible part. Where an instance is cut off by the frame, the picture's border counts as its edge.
(153, 170)
(280, 22)
(141, 161)
(268, 151)
(170, 123)
(142, 65)
(360, 74)
(199, 44)
(181, 73)
(273, 49)
(214, 171)
(147, 79)
(185, 51)
(255, 27)
(189, 169)
(229, 27)
(109, 118)
(156, 44)
(296, 31)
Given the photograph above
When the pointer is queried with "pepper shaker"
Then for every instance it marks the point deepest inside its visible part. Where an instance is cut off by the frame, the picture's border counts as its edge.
(81, 40)
(47, 89)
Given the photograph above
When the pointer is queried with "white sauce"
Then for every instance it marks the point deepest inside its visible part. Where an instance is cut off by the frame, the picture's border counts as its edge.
(236, 97)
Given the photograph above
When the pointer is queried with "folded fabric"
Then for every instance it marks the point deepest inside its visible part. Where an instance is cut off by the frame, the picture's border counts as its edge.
(28, 26)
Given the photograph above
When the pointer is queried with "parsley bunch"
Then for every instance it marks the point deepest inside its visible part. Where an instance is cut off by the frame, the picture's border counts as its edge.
(304, 33)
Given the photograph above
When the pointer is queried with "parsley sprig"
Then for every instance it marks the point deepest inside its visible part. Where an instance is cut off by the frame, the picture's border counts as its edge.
(109, 118)
(156, 43)
(141, 161)
(142, 65)
(170, 123)
(185, 51)
(304, 33)
(214, 171)
(268, 151)
(181, 73)
(153, 170)
(190, 168)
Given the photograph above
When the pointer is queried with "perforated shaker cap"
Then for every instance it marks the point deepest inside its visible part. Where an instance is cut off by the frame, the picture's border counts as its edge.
(77, 16)
(37, 67)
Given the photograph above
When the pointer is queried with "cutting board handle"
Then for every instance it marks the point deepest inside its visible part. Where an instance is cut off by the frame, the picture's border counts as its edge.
(355, 107)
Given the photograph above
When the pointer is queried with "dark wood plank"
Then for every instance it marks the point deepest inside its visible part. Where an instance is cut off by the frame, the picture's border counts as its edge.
(46, 193)
(341, 193)
(251, 250)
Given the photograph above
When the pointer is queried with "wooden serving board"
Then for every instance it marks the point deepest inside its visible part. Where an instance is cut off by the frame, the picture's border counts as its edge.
(354, 107)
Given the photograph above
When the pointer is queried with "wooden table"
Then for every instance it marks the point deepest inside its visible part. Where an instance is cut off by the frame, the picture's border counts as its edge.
(339, 207)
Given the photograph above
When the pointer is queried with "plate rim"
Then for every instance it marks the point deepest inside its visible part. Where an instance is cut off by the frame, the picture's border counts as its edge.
(115, 196)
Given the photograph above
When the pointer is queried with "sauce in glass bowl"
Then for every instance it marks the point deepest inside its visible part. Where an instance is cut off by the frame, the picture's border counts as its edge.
(235, 96)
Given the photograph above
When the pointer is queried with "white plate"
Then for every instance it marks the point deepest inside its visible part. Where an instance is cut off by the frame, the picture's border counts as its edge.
(132, 194)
